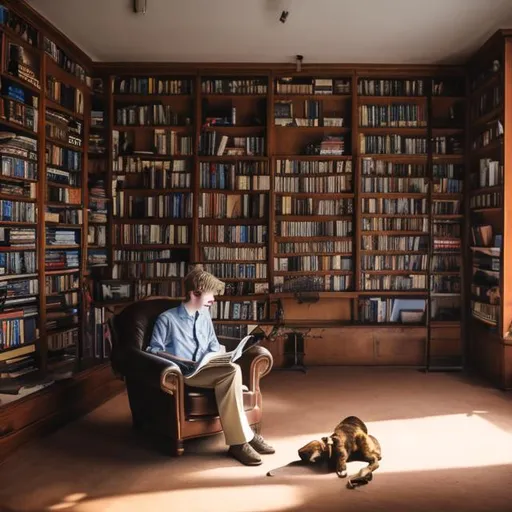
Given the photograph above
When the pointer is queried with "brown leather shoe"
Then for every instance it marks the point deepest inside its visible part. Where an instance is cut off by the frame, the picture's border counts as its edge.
(245, 454)
(260, 445)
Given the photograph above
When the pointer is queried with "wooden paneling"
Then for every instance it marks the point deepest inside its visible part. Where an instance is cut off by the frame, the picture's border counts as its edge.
(339, 346)
(357, 345)
(324, 309)
(506, 252)
(507, 367)
(402, 346)
(445, 342)
(486, 353)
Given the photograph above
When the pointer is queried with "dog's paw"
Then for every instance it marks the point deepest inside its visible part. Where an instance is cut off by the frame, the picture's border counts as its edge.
(358, 480)
(342, 473)
(353, 484)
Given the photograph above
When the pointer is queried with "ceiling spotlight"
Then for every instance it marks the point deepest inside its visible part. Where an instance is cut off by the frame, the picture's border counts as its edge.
(298, 63)
(140, 6)
(283, 17)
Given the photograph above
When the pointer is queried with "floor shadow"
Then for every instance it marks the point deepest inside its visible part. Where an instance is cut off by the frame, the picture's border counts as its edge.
(460, 490)
(298, 467)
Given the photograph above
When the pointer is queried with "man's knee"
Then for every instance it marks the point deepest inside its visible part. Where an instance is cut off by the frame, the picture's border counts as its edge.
(235, 371)
(231, 371)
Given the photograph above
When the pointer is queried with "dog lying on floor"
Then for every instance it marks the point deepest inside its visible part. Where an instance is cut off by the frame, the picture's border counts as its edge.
(349, 442)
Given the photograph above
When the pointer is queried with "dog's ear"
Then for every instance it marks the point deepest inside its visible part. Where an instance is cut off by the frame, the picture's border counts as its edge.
(326, 441)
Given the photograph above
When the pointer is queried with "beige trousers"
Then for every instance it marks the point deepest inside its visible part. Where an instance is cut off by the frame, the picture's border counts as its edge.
(227, 382)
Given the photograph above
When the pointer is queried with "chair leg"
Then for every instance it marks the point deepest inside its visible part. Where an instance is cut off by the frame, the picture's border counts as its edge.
(179, 448)
(172, 447)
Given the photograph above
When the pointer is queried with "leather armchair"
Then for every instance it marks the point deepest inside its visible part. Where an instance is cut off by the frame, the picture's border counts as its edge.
(160, 401)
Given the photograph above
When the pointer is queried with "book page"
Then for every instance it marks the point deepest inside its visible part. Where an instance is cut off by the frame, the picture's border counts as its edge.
(219, 358)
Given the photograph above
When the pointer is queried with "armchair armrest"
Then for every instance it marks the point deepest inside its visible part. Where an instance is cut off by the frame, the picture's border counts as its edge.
(154, 370)
(255, 364)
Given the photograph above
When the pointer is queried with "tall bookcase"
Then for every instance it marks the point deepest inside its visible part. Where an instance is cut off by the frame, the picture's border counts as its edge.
(153, 159)
(313, 184)
(447, 171)
(233, 191)
(489, 208)
(98, 201)
(22, 165)
(325, 199)
(64, 183)
(44, 118)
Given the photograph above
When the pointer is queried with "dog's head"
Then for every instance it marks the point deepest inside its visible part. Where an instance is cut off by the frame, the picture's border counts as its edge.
(316, 450)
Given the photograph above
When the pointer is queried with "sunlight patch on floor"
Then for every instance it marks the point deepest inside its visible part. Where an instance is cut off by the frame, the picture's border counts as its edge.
(233, 499)
(441, 442)
(417, 444)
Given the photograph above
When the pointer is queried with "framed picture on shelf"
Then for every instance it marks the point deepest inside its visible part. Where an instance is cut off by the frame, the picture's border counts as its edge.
(115, 291)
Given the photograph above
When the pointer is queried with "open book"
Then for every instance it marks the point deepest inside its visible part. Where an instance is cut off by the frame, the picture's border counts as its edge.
(214, 359)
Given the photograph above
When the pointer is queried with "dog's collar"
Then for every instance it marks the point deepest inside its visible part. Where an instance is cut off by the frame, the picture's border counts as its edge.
(329, 446)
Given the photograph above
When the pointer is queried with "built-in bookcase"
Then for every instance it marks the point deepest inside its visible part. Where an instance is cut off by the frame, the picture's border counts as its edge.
(44, 118)
(296, 188)
(489, 210)
(313, 184)
(448, 173)
(233, 206)
(22, 310)
(153, 164)
(64, 188)
(98, 184)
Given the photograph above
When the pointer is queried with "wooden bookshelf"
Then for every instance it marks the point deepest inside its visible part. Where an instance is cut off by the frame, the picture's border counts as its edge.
(313, 184)
(233, 206)
(489, 206)
(21, 71)
(268, 199)
(45, 100)
(153, 160)
(447, 105)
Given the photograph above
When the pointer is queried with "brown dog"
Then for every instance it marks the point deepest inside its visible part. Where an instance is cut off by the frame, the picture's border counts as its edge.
(350, 441)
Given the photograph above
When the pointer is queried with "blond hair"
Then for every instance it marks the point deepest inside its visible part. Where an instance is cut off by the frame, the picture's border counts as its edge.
(198, 280)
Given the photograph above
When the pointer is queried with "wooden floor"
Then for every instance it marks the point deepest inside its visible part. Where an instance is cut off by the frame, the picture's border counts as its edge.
(446, 440)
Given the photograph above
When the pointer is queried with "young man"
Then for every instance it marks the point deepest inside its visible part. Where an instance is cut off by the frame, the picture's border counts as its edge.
(184, 335)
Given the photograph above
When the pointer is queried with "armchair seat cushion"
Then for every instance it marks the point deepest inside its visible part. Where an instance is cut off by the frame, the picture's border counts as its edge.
(201, 401)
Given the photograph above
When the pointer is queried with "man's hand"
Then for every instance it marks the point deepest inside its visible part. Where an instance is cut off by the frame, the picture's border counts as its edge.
(186, 365)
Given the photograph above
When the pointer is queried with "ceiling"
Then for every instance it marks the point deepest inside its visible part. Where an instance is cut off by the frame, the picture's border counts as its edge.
(324, 31)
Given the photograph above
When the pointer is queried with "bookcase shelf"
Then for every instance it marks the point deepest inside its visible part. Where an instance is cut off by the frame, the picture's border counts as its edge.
(487, 118)
(21, 82)
(57, 106)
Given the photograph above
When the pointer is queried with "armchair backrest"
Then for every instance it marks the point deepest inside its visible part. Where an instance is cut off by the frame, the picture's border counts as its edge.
(133, 326)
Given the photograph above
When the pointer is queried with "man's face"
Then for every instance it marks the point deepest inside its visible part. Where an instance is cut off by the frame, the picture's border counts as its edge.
(207, 299)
